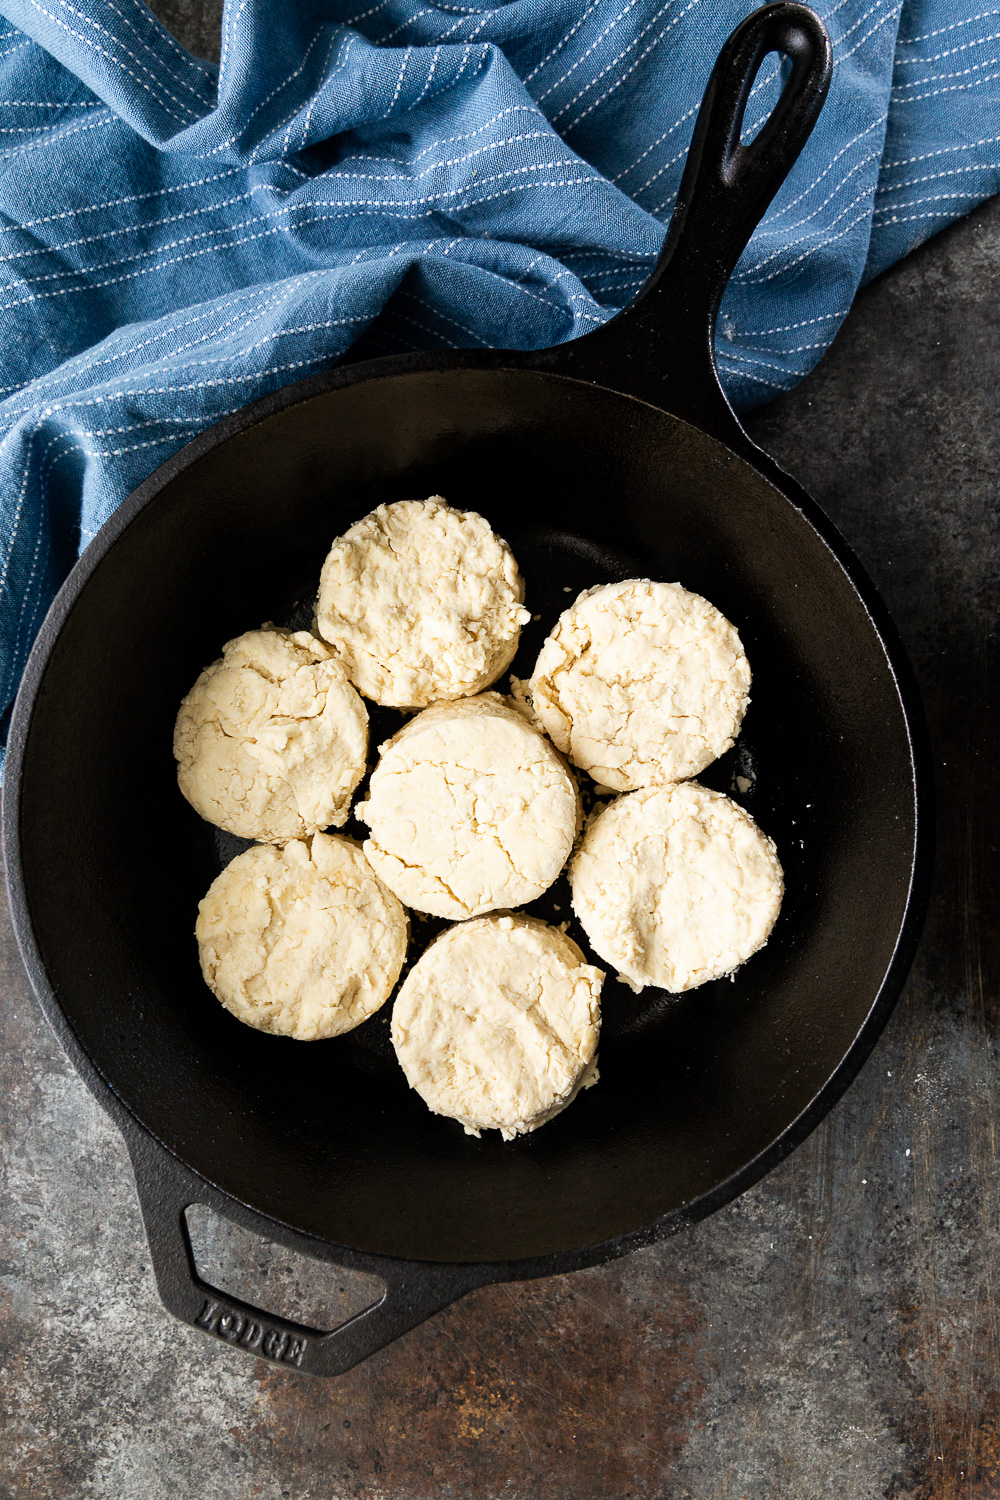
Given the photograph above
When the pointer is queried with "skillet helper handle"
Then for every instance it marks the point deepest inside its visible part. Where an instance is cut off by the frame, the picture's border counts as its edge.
(662, 347)
(413, 1292)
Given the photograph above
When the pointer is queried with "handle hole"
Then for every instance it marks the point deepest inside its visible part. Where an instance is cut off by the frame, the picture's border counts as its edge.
(766, 90)
(274, 1279)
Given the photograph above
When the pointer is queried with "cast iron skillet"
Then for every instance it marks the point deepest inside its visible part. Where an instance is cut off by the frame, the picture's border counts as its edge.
(322, 1147)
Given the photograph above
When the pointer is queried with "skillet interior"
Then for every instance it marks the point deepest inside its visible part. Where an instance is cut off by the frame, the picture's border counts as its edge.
(586, 485)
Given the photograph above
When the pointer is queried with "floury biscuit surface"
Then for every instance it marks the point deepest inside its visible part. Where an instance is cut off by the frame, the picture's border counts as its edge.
(469, 809)
(422, 603)
(675, 886)
(497, 1024)
(302, 941)
(641, 684)
(272, 739)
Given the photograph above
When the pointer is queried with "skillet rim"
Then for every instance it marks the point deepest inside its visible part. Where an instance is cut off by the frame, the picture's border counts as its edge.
(138, 1136)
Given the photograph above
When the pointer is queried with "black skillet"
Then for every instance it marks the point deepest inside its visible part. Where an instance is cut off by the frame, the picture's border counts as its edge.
(322, 1147)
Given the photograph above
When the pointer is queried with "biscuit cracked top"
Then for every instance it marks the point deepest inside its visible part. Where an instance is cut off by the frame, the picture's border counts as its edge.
(421, 602)
(641, 683)
(497, 1024)
(272, 739)
(302, 941)
(469, 809)
(675, 886)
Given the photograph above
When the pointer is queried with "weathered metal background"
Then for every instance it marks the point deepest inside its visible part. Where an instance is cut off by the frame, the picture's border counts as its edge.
(832, 1334)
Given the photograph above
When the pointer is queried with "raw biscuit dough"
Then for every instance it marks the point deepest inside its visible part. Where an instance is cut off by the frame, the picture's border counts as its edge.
(496, 1025)
(422, 603)
(469, 809)
(641, 684)
(272, 739)
(675, 886)
(302, 941)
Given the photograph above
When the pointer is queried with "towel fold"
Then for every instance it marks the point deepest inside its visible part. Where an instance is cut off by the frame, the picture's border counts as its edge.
(178, 239)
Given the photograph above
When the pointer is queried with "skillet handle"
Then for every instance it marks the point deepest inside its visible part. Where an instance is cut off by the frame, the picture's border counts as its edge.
(662, 347)
(413, 1292)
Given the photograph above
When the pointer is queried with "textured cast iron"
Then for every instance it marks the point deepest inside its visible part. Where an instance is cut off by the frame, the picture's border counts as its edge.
(323, 1147)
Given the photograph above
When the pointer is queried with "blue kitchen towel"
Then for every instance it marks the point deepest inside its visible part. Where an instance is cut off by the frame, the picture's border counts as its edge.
(178, 239)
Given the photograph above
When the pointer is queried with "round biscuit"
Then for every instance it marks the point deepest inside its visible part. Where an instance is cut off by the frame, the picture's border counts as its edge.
(641, 684)
(675, 886)
(422, 603)
(272, 739)
(302, 941)
(497, 1024)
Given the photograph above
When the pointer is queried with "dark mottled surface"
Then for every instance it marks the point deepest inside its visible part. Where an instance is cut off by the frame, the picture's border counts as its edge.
(831, 1334)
